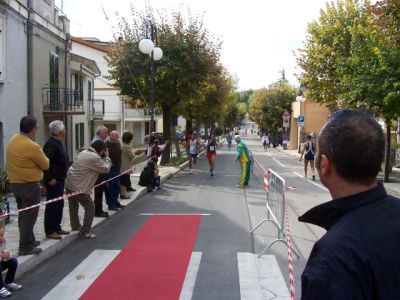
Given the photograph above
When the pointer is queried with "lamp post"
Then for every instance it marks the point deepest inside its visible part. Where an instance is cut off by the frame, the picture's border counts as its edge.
(149, 47)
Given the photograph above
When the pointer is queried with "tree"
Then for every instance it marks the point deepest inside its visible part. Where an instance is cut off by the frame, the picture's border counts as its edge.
(267, 105)
(190, 52)
(351, 58)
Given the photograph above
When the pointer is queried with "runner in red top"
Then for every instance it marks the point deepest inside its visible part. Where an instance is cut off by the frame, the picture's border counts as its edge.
(211, 146)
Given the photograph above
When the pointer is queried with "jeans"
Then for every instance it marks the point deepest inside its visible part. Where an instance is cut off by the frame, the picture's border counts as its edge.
(112, 189)
(54, 211)
(27, 194)
(10, 265)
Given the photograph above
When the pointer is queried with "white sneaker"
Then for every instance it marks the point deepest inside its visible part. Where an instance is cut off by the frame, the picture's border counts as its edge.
(13, 286)
(191, 172)
(4, 293)
(88, 236)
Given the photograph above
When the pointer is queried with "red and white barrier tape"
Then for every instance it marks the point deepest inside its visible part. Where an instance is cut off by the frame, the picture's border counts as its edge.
(290, 256)
(66, 196)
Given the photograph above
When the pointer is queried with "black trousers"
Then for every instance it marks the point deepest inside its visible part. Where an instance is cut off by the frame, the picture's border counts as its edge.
(98, 194)
(54, 211)
(10, 265)
(27, 194)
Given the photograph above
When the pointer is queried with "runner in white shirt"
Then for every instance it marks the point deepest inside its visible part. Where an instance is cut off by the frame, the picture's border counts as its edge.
(194, 147)
(265, 141)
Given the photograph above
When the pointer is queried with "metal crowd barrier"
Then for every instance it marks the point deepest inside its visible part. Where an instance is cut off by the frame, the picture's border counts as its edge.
(276, 203)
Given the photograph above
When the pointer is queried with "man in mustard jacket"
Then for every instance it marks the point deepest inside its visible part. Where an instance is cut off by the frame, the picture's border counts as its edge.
(25, 165)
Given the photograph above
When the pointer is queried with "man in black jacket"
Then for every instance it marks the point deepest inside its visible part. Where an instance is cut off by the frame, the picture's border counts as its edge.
(54, 180)
(358, 256)
(149, 177)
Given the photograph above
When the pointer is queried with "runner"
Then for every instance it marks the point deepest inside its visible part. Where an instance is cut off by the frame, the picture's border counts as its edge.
(193, 148)
(309, 149)
(229, 139)
(265, 141)
(211, 145)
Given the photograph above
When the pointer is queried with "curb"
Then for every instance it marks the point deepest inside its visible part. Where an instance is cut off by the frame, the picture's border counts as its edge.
(52, 247)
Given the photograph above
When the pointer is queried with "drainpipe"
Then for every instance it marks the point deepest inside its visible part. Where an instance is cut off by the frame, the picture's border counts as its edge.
(29, 32)
(67, 119)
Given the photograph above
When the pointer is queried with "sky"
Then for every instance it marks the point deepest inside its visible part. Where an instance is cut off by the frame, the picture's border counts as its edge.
(259, 36)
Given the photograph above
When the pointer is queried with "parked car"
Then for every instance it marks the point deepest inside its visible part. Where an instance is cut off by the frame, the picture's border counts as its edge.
(180, 136)
(158, 135)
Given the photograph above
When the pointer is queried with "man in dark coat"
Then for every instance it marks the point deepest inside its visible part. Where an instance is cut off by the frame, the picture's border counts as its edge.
(149, 177)
(54, 179)
(358, 256)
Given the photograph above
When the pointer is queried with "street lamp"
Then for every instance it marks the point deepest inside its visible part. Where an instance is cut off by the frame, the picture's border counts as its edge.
(149, 47)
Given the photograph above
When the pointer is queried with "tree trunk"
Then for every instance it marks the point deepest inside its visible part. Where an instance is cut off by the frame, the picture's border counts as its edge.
(189, 125)
(387, 156)
(167, 122)
(176, 142)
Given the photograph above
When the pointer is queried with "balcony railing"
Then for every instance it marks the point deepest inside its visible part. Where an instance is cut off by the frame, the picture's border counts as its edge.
(96, 108)
(139, 113)
(62, 102)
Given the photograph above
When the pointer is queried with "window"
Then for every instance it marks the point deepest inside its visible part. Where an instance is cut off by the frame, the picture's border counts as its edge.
(2, 49)
(54, 92)
(111, 127)
(90, 92)
(79, 136)
(79, 86)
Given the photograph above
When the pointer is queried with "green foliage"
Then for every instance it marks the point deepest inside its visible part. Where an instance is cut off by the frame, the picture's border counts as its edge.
(268, 104)
(176, 161)
(351, 57)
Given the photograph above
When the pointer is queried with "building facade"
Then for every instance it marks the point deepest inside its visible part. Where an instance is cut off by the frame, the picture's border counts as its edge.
(117, 115)
(315, 116)
(34, 59)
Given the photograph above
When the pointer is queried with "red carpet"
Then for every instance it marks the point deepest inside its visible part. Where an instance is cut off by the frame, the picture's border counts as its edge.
(153, 264)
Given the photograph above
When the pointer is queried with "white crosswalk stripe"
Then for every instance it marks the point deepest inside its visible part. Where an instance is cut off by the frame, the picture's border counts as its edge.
(261, 278)
(76, 282)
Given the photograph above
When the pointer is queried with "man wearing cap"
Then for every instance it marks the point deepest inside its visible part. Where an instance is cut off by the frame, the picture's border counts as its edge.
(358, 257)
(82, 175)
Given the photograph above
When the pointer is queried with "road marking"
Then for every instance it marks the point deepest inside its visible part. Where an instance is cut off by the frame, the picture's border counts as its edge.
(277, 161)
(173, 214)
(191, 275)
(260, 278)
(314, 183)
(79, 279)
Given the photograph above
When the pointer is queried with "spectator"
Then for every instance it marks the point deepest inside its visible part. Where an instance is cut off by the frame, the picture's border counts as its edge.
(127, 161)
(157, 150)
(101, 135)
(10, 264)
(357, 258)
(243, 155)
(81, 175)
(54, 180)
(25, 165)
(113, 187)
(149, 177)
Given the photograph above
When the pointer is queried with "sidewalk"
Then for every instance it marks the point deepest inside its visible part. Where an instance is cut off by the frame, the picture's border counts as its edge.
(52, 247)
(392, 187)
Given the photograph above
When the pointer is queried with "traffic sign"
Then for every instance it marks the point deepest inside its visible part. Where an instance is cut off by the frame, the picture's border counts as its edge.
(286, 115)
(285, 123)
(300, 120)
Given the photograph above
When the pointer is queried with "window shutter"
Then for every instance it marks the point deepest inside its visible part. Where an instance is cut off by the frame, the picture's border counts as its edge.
(82, 135)
(76, 136)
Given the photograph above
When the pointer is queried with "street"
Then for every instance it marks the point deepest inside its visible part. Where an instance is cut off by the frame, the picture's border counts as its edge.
(223, 240)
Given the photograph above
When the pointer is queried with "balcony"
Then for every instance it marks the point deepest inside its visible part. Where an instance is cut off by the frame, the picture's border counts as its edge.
(96, 108)
(140, 113)
(61, 102)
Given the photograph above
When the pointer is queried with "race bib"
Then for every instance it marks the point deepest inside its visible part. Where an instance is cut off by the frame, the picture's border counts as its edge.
(192, 148)
(212, 148)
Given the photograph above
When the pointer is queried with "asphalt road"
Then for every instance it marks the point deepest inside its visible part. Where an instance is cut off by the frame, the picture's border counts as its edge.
(223, 233)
